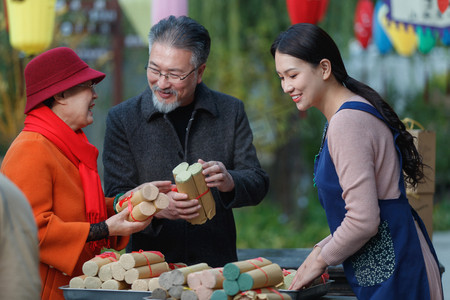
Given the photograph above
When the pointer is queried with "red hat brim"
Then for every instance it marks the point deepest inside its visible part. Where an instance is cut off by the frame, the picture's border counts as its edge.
(83, 75)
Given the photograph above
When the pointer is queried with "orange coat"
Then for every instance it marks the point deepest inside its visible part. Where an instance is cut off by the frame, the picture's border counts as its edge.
(53, 187)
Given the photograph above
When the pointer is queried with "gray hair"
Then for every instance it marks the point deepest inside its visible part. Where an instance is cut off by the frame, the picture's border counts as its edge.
(182, 33)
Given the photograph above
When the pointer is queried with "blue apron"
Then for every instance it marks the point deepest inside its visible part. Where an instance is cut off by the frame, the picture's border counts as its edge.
(390, 265)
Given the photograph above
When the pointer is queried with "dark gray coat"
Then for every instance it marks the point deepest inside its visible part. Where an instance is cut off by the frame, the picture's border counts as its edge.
(141, 145)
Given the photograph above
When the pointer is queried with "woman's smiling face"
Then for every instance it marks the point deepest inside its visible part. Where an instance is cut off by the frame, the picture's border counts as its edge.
(301, 80)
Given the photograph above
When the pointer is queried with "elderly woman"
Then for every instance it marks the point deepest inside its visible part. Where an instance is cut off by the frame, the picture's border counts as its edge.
(55, 166)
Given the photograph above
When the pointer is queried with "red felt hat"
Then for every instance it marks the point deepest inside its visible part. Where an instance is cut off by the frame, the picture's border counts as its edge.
(55, 71)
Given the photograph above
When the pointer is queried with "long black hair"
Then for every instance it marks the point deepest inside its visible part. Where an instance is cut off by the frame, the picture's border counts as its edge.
(311, 44)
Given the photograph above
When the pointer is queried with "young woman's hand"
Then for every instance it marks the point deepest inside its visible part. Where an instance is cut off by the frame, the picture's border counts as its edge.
(313, 267)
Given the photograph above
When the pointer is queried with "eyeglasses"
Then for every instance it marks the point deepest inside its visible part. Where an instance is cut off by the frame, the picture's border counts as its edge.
(91, 86)
(169, 76)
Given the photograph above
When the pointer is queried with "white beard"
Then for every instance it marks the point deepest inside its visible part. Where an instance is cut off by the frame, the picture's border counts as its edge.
(164, 107)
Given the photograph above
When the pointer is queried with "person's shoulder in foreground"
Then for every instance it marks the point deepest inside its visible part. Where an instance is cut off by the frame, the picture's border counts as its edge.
(19, 253)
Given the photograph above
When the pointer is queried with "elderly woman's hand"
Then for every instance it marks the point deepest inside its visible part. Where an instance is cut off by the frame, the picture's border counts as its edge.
(118, 225)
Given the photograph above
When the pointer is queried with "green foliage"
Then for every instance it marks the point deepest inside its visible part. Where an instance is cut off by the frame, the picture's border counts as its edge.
(266, 226)
(241, 64)
(441, 215)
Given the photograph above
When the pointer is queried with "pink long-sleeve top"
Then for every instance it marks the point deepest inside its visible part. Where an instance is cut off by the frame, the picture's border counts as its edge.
(362, 149)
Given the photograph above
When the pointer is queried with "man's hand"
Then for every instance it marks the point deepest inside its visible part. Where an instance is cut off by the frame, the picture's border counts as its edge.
(216, 175)
(180, 207)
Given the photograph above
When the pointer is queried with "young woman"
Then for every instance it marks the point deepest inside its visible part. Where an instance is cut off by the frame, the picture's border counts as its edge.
(376, 235)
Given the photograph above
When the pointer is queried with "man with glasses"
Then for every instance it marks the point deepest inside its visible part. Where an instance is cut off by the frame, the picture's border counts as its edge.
(179, 119)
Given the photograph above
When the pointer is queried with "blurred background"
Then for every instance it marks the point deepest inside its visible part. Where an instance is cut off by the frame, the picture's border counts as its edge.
(409, 65)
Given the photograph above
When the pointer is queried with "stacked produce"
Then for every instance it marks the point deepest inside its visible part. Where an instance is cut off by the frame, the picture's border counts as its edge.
(113, 271)
(256, 278)
(143, 202)
(175, 283)
(191, 181)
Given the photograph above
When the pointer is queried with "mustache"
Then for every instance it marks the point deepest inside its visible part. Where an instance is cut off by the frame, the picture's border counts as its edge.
(167, 91)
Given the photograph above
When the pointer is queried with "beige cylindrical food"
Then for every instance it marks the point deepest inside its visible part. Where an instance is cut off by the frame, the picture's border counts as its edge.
(105, 272)
(134, 199)
(193, 280)
(147, 192)
(267, 276)
(77, 282)
(208, 202)
(160, 293)
(275, 295)
(212, 278)
(92, 266)
(287, 280)
(161, 202)
(176, 290)
(185, 184)
(153, 283)
(142, 212)
(137, 259)
(140, 284)
(92, 282)
(179, 276)
(150, 271)
(118, 272)
(188, 295)
(114, 285)
(232, 270)
(165, 281)
(204, 293)
(180, 168)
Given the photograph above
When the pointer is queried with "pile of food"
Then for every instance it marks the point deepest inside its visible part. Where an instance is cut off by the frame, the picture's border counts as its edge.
(135, 271)
(142, 203)
(256, 278)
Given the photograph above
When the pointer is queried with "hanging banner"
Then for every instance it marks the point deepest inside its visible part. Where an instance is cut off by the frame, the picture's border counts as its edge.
(363, 22)
(306, 11)
(445, 37)
(139, 14)
(379, 35)
(426, 40)
(443, 5)
(423, 13)
(402, 36)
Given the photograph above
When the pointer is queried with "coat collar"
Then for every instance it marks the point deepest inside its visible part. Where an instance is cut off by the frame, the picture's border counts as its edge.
(204, 100)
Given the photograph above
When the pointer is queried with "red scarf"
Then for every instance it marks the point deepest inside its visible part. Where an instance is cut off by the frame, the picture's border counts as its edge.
(76, 147)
